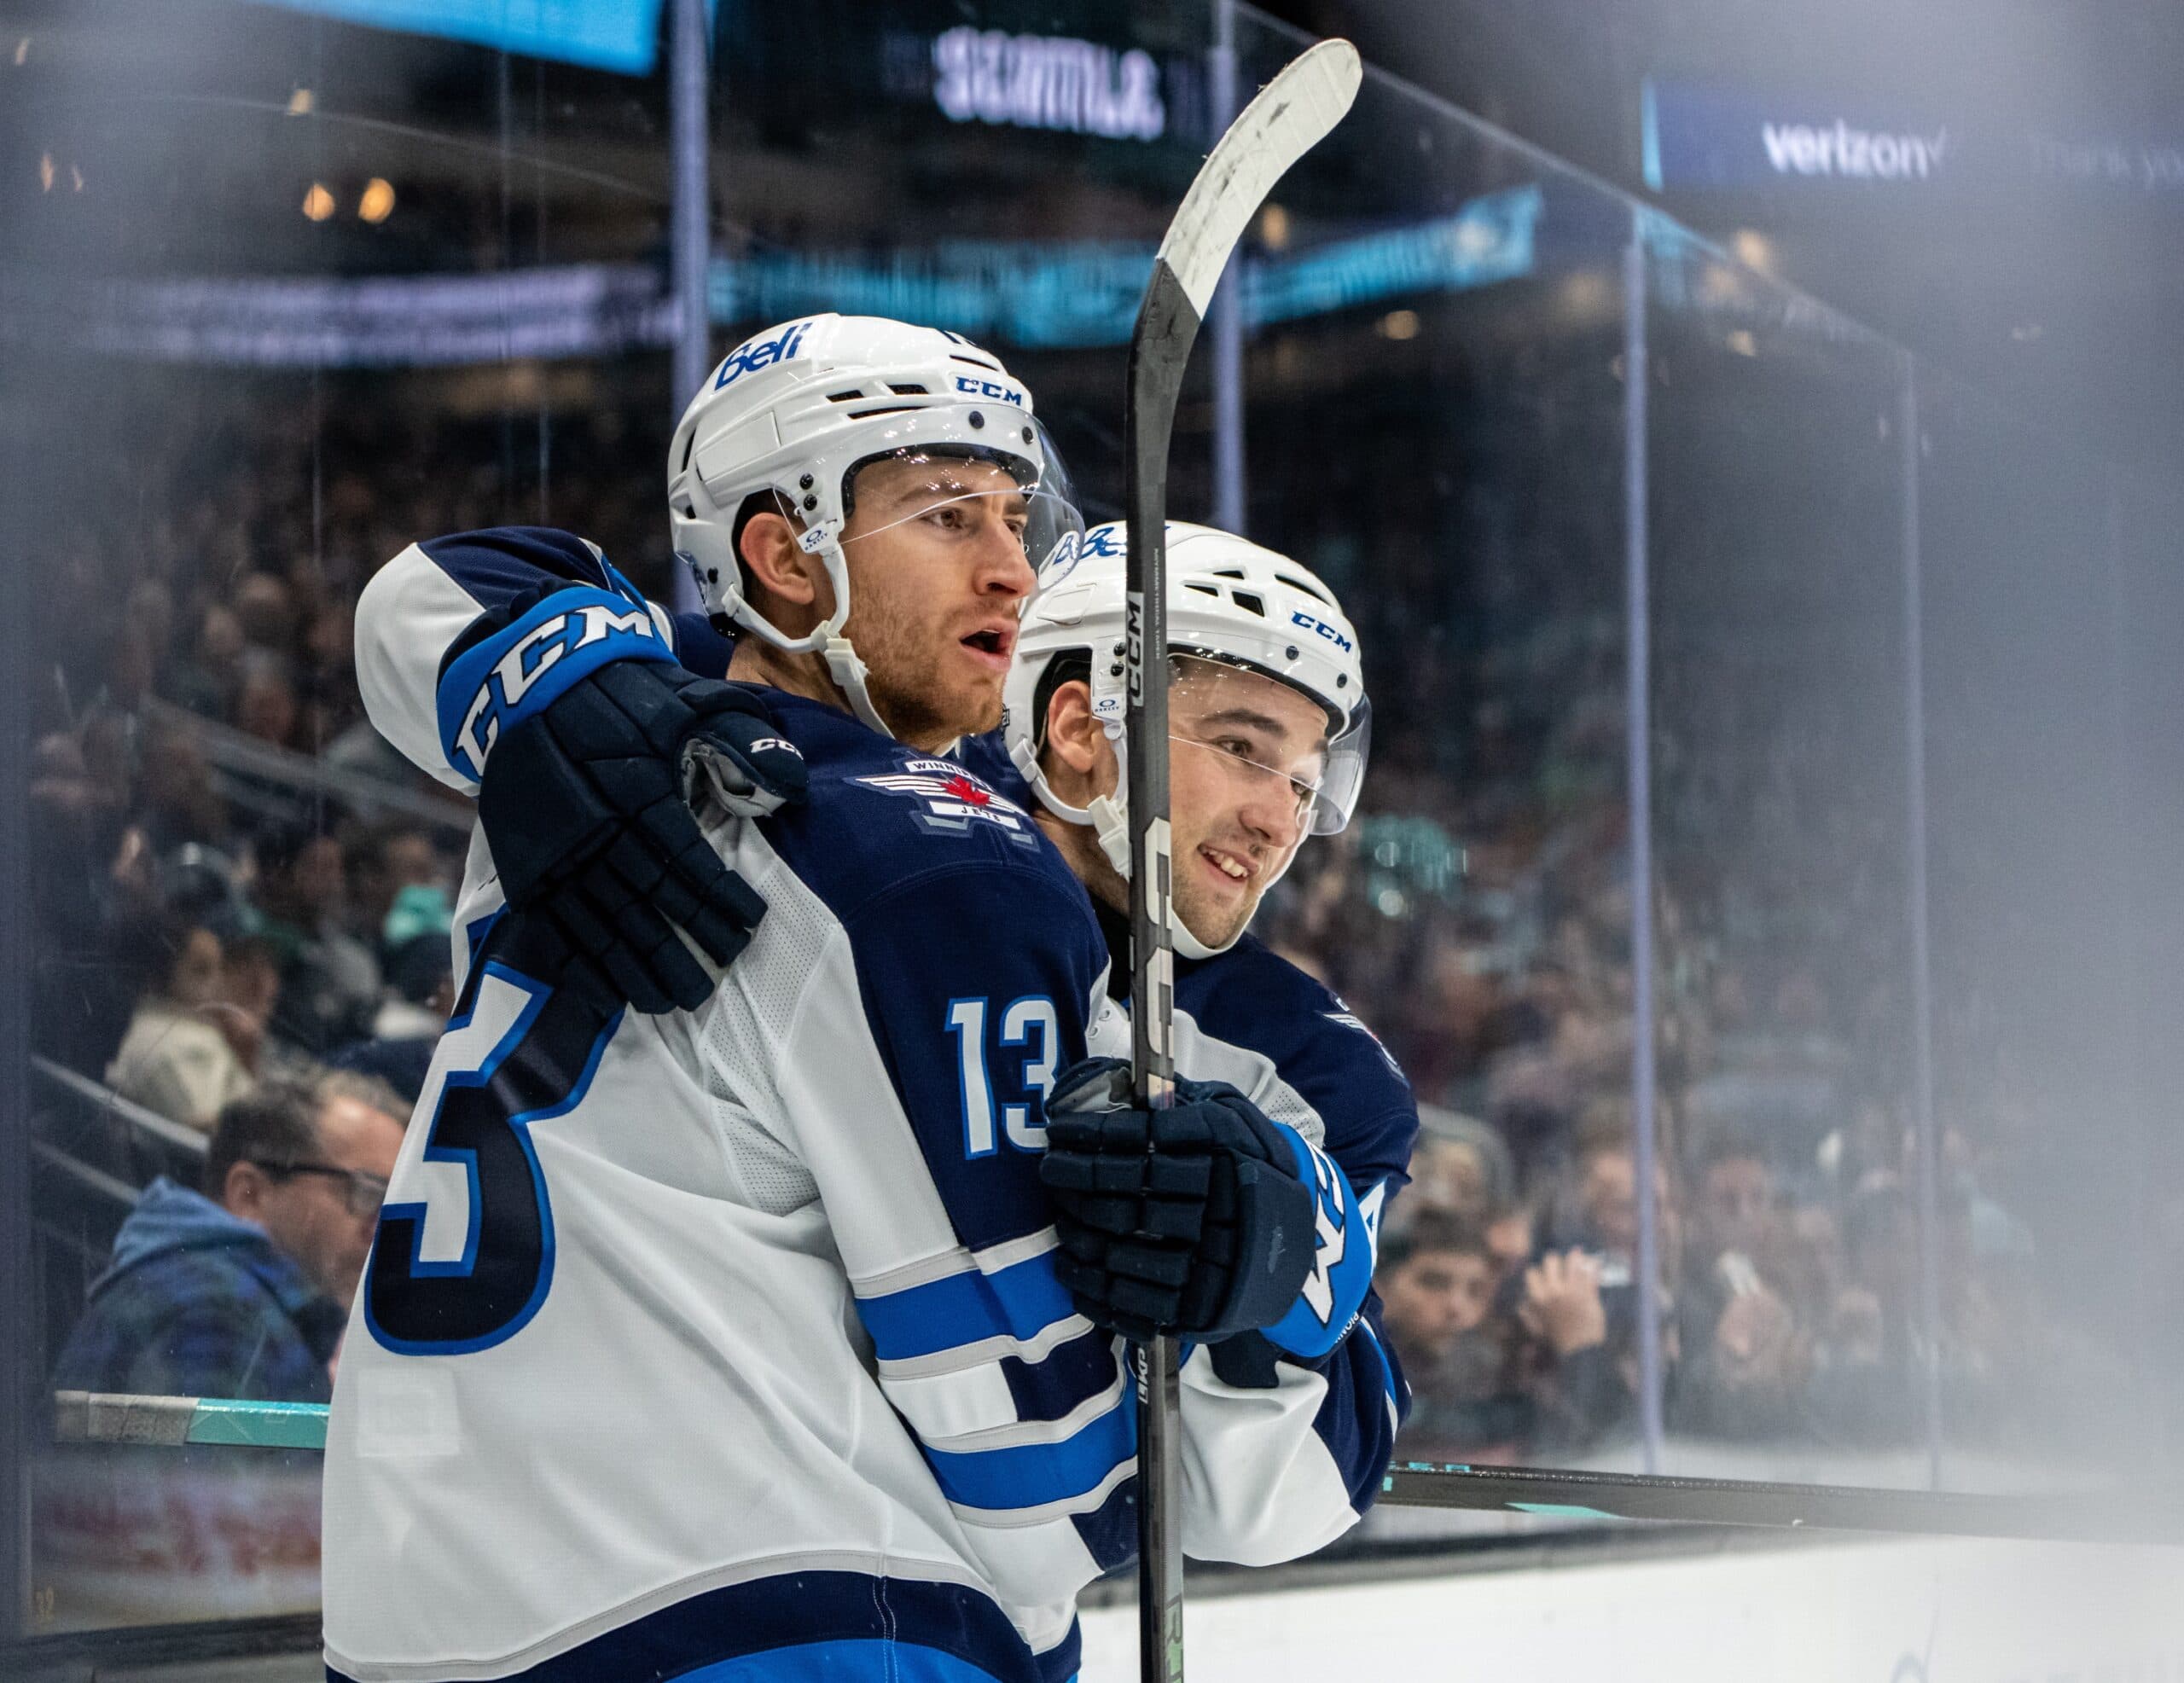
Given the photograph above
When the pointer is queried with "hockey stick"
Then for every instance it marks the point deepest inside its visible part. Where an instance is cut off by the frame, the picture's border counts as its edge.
(1290, 115)
(2150, 1515)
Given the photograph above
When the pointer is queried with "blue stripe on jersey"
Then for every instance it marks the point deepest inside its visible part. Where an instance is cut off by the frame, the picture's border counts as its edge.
(1031, 1475)
(1109, 1532)
(835, 1661)
(1019, 1300)
(521, 670)
(922, 1633)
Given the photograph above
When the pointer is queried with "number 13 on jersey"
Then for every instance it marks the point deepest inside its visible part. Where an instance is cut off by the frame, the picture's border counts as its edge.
(1026, 1035)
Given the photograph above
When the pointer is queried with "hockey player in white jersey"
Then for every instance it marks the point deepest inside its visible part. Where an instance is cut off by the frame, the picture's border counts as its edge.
(1270, 727)
(732, 1337)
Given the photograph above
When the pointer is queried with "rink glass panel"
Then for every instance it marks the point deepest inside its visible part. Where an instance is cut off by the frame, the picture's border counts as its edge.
(2050, 647)
(1781, 887)
(1434, 417)
(209, 474)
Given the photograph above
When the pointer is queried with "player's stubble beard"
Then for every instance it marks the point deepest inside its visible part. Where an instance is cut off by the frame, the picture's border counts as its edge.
(909, 689)
(1215, 926)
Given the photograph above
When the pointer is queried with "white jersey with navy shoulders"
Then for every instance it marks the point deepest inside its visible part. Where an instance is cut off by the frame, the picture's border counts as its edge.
(1249, 1017)
(691, 1338)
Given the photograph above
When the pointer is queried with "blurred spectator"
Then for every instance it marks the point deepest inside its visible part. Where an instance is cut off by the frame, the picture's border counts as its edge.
(250, 987)
(381, 862)
(206, 684)
(265, 699)
(330, 979)
(88, 887)
(266, 605)
(179, 803)
(1865, 1385)
(1436, 1279)
(1582, 1366)
(1581, 1297)
(1740, 1304)
(1459, 1165)
(1599, 1211)
(176, 1058)
(243, 1290)
(1509, 1238)
(420, 996)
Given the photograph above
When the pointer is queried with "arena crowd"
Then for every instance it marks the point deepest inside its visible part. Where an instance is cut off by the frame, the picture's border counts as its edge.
(213, 936)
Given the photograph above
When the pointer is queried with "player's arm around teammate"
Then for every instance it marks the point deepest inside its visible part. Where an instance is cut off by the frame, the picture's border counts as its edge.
(807, 1215)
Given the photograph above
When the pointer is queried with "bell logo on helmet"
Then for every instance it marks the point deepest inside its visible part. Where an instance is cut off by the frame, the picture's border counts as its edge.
(988, 388)
(750, 357)
(1300, 618)
(1062, 560)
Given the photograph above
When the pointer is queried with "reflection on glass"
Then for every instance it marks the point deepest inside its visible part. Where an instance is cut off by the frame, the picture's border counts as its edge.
(293, 294)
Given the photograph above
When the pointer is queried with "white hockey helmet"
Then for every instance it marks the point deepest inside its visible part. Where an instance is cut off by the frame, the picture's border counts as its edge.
(1229, 602)
(798, 408)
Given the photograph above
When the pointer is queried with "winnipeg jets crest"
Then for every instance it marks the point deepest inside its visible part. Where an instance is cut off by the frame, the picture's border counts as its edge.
(951, 800)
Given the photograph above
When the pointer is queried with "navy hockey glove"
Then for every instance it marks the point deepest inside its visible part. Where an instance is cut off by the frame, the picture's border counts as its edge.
(1191, 1220)
(586, 806)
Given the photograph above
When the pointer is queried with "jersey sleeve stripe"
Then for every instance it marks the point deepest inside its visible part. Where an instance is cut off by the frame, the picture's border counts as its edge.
(1005, 1391)
(1074, 1509)
(965, 1357)
(1017, 1433)
(1039, 1475)
(1018, 1303)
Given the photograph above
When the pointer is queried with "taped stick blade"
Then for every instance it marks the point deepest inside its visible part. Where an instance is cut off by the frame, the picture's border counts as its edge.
(1292, 114)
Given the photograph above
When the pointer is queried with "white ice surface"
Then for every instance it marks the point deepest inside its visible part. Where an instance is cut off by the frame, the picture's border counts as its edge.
(1897, 1612)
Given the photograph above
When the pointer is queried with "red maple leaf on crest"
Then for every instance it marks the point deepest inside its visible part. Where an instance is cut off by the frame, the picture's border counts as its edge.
(960, 787)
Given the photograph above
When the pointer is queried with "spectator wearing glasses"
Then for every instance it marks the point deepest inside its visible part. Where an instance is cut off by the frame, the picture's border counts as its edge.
(243, 1291)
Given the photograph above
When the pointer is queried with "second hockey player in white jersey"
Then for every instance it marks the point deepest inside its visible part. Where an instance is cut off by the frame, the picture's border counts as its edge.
(734, 1335)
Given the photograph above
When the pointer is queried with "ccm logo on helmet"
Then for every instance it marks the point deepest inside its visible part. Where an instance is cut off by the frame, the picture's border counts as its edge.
(987, 388)
(750, 357)
(1298, 618)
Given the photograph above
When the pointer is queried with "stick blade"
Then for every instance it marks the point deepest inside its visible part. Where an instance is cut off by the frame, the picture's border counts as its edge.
(1292, 114)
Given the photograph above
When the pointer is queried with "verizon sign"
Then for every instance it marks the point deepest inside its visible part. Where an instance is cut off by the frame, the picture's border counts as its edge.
(1855, 153)
(1702, 136)
(1046, 81)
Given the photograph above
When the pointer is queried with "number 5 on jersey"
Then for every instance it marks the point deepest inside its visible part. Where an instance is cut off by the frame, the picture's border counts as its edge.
(1026, 1035)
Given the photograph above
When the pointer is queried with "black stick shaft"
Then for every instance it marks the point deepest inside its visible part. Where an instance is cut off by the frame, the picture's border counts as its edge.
(1167, 324)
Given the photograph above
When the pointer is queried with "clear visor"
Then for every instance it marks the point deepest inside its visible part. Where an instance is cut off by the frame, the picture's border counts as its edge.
(966, 494)
(1271, 739)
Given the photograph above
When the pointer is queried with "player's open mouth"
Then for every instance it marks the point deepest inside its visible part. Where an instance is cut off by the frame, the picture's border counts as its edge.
(1227, 865)
(994, 642)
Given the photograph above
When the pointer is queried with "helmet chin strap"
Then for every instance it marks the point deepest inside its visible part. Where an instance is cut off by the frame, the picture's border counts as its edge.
(849, 675)
(826, 639)
(843, 665)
